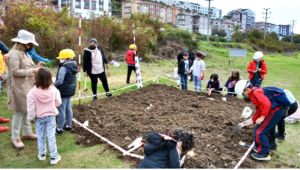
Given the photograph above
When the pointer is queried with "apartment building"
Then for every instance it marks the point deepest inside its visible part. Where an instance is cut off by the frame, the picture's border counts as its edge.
(166, 14)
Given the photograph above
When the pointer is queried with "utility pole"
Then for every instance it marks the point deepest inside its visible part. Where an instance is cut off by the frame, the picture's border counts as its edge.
(292, 31)
(208, 23)
(266, 13)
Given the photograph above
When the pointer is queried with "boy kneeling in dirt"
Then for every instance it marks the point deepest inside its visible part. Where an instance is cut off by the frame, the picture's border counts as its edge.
(165, 151)
(271, 104)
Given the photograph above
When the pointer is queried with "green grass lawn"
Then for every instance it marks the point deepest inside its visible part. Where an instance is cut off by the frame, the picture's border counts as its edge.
(283, 72)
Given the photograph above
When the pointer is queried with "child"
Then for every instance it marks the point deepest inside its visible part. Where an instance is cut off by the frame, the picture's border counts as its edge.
(230, 84)
(42, 101)
(183, 70)
(213, 84)
(130, 54)
(198, 71)
(66, 84)
(165, 151)
(257, 69)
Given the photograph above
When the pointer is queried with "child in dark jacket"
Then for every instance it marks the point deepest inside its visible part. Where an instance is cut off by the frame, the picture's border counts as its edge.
(66, 84)
(230, 83)
(183, 70)
(213, 84)
(165, 151)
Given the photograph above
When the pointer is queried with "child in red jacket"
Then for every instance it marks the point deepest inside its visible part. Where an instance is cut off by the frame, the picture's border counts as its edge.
(130, 54)
(257, 69)
(270, 103)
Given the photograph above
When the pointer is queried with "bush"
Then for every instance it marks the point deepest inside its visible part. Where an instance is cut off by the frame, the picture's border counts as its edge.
(53, 31)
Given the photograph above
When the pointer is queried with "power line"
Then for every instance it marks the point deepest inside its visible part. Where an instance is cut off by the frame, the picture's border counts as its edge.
(266, 13)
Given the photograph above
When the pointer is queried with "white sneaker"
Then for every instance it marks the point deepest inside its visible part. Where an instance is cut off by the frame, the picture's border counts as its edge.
(55, 160)
(42, 157)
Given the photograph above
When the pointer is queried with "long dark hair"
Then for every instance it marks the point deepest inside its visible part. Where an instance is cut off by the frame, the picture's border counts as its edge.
(215, 77)
(235, 75)
(187, 138)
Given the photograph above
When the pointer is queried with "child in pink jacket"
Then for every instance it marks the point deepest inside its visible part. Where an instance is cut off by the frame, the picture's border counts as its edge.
(42, 101)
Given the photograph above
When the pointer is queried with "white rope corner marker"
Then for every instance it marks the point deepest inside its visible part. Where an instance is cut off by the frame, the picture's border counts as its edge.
(124, 152)
(245, 156)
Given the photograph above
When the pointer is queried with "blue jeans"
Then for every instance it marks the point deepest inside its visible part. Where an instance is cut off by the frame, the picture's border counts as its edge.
(65, 113)
(45, 127)
(197, 84)
(184, 82)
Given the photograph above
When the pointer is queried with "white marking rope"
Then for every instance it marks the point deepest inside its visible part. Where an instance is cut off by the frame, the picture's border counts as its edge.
(244, 156)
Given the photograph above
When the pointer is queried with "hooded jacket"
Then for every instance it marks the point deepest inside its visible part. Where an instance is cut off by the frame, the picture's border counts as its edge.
(43, 102)
(87, 60)
(66, 78)
(159, 153)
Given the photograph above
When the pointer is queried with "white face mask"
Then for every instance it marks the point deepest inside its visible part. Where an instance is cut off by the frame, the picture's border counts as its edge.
(61, 61)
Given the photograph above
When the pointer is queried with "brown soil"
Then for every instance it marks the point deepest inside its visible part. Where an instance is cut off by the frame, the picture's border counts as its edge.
(126, 117)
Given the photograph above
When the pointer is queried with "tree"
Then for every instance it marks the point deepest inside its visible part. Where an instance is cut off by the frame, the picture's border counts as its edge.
(217, 32)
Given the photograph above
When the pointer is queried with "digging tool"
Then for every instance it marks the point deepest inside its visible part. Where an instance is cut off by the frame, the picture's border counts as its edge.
(137, 143)
(85, 85)
(237, 128)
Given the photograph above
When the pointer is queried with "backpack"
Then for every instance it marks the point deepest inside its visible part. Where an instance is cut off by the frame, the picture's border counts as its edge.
(277, 95)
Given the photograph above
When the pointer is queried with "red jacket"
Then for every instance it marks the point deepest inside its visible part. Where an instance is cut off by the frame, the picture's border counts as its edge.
(252, 67)
(130, 54)
(261, 102)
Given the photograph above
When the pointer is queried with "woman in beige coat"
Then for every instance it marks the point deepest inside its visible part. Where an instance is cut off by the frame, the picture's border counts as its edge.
(21, 79)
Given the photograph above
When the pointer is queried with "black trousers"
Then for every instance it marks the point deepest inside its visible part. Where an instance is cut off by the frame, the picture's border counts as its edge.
(94, 80)
(129, 70)
(281, 124)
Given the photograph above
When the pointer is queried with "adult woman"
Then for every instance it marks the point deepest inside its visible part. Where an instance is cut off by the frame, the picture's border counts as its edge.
(21, 79)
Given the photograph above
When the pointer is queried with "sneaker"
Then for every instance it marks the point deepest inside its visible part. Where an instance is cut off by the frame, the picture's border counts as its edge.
(108, 94)
(68, 128)
(30, 137)
(280, 137)
(42, 157)
(4, 120)
(54, 161)
(59, 131)
(18, 144)
(261, 157)
(3, 129)
(95, 98)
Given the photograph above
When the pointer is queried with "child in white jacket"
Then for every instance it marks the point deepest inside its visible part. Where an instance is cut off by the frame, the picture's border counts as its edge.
(42, 101)
(198, 69)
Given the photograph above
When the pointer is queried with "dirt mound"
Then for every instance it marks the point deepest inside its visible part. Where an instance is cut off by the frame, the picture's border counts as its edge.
(161, 108)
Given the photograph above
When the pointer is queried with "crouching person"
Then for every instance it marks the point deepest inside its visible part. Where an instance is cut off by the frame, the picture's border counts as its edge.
(66, 84)
(165, 151)
(271, 104)
(42, 101)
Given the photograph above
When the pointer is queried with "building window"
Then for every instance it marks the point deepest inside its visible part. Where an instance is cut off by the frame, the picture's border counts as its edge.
(101, 5)
(78, 4)
(94, 5)
(86, 4)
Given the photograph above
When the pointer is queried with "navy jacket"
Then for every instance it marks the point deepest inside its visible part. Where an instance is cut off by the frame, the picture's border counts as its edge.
(66, 78)
(159, 153)
(181, 67)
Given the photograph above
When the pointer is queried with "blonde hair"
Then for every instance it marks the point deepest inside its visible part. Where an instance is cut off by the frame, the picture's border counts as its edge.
(19, 46)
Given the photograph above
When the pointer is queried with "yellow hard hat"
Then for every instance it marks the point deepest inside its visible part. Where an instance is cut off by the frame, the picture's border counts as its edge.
(133, 47)
(66, 53)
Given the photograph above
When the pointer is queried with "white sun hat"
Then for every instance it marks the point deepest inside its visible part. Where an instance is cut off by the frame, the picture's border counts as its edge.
(257, 55)
(25, 37)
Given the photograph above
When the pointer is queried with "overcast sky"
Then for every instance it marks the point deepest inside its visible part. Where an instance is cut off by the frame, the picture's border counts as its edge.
(282, 11)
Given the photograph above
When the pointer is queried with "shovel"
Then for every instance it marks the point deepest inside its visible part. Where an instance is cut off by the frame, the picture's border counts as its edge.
(237, 128)
(85, 86)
